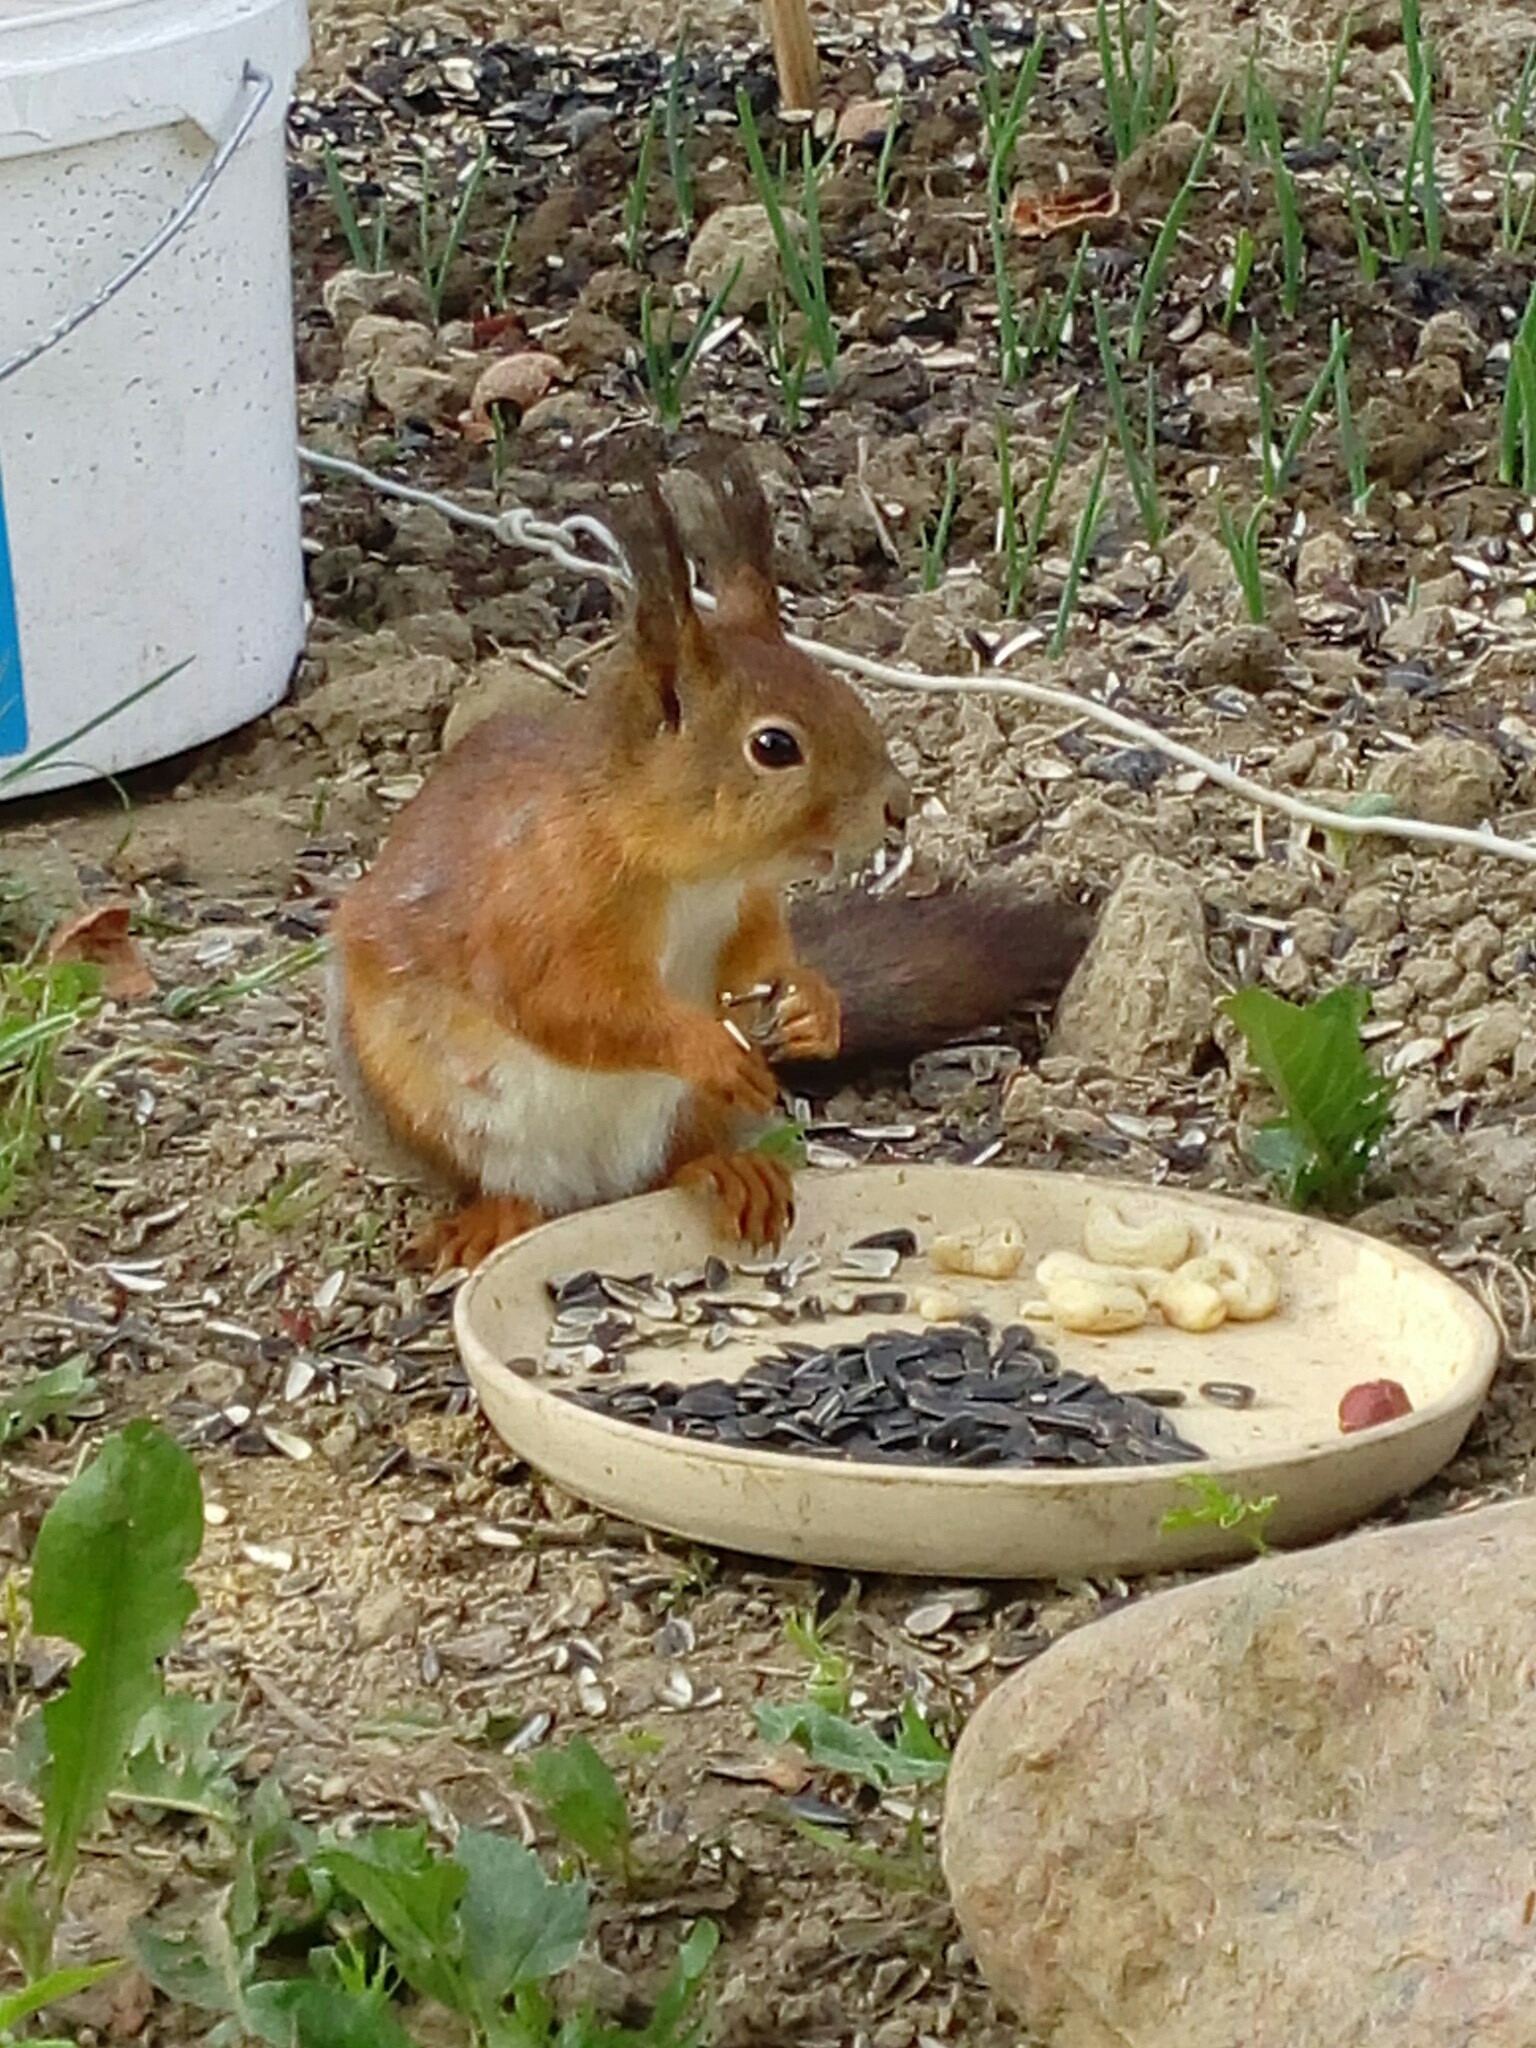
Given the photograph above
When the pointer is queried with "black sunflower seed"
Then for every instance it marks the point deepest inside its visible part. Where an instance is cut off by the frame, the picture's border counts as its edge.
(945, 1395)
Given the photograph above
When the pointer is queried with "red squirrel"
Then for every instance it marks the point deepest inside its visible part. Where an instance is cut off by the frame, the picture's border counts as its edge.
(531, 987)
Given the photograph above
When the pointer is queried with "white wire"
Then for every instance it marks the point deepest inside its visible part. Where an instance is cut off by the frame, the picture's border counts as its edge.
(559, 539)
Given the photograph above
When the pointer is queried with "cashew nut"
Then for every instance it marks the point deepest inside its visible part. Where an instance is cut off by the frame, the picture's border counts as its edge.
(938, 1305)
(1192, 1298)
(1248, 1286)
(1131, 1269)
(1107, 1237)
(997, 1256)
(1082, 1295)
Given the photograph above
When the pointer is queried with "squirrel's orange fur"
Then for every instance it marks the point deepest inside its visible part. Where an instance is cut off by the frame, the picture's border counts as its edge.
(527, 986)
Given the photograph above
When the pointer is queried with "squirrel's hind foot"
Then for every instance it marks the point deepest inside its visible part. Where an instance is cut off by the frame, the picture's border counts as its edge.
(472, 1233)
(752, 1195)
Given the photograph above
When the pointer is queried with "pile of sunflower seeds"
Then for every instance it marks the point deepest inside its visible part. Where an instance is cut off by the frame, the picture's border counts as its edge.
(950, 1394)
(600, 1317)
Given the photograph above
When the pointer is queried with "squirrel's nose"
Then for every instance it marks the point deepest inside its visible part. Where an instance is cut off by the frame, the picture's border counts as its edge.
(898, 803)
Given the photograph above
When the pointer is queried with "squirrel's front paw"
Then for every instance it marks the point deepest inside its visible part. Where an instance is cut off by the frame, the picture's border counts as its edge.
(753, 1196)
(807, 1019)
(737, 1075)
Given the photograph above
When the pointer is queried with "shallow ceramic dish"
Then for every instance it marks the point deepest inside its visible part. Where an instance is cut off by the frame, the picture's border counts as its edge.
(1351, 1309)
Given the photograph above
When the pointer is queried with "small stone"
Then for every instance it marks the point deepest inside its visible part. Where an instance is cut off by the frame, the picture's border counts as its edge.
(1434, 386)
(1158, 166)
(439, 630)
(745, 234)
(1448, 590)
(1238, 658)
(349, 294)
(408, 392)
(377, 342)
(1324, 557)
(1374, 1691)
(1445, 780)
(1312, 933)
(422, 534)
(1500, 1162)
(1293, 764)
(1373, 912)
(373, 705)
(386, 1616)
(1478, 943)
(1491, 1041)
(1420, 631)
(1451, 334)
(1143, 994)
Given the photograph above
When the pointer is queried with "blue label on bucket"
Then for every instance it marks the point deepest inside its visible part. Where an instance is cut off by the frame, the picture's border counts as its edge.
(13, 702)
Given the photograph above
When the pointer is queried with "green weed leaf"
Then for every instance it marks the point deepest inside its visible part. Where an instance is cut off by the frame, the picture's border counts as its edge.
(200, 1965)
(109, 1574)
(674, 2022)
(174, 1763)
(670, 2026)
(45, 1397)
(58, 1984)
(786, 1141)
(1215, 1508)
(519, 1925)
(412, 1898)
(582, 1800)
(306, 2013)
(1337, 1105)
(834, 1743)
(1365, 803)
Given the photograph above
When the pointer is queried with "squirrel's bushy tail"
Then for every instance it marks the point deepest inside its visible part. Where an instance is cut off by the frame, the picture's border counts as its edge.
(915, 973)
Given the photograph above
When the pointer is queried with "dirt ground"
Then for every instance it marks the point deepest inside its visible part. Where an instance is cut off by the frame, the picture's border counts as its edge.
(387, 1596)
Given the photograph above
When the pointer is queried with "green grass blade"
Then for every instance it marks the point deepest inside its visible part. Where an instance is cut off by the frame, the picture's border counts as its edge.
(1168, 234)
(1084, 535)
(56, 748)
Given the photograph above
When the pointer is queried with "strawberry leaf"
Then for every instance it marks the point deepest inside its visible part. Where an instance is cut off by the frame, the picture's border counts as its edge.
(1337, 1105)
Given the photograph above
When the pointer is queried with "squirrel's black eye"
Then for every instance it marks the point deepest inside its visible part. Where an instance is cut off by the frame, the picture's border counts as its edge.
(771, 746)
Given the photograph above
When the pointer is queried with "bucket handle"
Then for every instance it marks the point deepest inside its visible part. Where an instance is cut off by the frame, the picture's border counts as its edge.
(257, 86)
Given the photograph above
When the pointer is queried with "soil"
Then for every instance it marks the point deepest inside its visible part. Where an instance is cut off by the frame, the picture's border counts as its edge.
(385, 1595)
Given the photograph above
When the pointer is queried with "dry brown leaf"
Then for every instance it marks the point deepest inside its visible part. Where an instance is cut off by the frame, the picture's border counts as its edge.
(1038, 215)
(520, 380)
(786, 1770)
(101, 938)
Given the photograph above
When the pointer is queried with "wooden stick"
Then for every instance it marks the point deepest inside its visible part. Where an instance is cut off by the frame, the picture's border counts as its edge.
(794, 54)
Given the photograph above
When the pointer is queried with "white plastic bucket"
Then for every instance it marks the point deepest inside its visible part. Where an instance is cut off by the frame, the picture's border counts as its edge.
(149, 508)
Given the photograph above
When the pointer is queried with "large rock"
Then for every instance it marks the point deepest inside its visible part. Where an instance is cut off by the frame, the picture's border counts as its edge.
(1143, 996)
(1290, 1807)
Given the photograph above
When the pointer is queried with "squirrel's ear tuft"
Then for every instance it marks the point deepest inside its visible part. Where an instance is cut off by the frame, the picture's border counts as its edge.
(665, 633)
(661, 603)
(740, 558)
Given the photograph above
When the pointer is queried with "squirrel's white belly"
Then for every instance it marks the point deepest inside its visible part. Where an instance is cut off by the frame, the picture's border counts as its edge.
(565, 1137)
